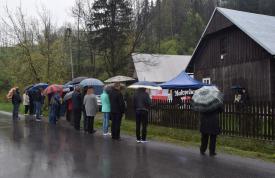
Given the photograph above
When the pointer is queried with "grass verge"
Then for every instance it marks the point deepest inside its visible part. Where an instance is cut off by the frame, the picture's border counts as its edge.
(251, 148)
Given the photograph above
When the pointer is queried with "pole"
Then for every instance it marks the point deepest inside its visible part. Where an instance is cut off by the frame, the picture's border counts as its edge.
(69, 35)
(71, 57)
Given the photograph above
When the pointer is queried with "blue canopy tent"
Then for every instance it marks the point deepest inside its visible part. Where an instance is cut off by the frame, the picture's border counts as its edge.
(182, 81)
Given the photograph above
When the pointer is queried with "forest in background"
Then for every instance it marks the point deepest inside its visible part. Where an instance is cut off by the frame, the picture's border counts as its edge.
(105, 33)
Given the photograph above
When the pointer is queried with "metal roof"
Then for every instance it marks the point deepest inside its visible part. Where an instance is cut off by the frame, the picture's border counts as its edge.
(260, 28)
(159, 68)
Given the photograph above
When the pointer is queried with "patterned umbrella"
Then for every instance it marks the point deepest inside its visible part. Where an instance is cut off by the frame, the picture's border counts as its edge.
(144, 84)
(77, 80)
(68, 96)
(91, 82)
(119, 78)
(206, 99)
(54, 89)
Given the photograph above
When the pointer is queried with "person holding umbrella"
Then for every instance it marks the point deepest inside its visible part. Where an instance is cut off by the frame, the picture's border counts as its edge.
(77, 107)
(16, 100)
(54, 108)
(38, 97)
(208, 100)
(142, 104)
(117, 110)
(90, 104)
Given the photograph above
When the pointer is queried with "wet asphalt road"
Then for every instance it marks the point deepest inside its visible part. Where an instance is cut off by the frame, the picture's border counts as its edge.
(29, 149)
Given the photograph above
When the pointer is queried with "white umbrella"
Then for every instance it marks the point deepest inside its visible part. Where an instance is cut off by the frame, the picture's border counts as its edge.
(119, 78)
(207, 98)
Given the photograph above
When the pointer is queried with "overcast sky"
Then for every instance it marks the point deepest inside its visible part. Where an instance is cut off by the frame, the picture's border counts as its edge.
(60, 9)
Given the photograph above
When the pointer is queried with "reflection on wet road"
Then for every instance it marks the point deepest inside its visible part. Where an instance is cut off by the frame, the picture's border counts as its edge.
(29, 149)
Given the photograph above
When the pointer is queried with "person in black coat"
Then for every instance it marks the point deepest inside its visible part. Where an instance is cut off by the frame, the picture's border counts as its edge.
(77, 107)
(209, 128)
(16, 100)
(117, 110)
(142, 104)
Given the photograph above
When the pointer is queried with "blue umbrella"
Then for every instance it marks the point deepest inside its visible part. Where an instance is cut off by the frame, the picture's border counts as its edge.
(95, 83)
(145, 84)
(39, 85)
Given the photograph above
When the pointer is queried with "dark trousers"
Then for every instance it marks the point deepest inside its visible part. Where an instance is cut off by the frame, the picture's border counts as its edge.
(141, 120)
(116, 122)
(89, 124)
(15, 111)
(26, 109)
(32, 110)
(77, 118)
(204, 143)
(68, 115)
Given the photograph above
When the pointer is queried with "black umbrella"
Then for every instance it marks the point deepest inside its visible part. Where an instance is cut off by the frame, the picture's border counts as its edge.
(78, 80)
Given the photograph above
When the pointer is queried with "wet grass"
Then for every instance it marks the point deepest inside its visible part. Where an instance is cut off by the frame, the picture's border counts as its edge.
(251, 148)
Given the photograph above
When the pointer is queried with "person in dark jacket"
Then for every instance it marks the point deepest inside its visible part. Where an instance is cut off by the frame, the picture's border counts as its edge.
(54, 106)
(142, 104)
(38, 97)
(117, 110)
(32, 106)
(77, 107)
(16, 100)
(209, 128)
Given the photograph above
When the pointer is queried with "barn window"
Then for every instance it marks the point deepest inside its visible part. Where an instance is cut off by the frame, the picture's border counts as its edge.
(206, 80)
(223, 46)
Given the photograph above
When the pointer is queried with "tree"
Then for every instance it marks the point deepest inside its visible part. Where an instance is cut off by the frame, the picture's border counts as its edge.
(112, 21)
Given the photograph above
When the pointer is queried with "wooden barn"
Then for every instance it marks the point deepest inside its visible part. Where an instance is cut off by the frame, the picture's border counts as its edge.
(237, 49)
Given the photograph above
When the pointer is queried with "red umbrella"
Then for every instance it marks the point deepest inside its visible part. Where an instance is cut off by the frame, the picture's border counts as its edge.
(54, 89)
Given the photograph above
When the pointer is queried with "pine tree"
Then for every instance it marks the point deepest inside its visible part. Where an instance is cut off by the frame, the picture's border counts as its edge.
(112, 21)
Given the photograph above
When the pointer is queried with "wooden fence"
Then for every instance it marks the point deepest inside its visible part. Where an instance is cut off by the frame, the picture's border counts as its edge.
(253, 120)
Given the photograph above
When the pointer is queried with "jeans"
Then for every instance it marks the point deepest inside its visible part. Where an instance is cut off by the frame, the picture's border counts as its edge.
(106, 116)
(53, 114)
(15, 111)
(38, 106)
(141, 120)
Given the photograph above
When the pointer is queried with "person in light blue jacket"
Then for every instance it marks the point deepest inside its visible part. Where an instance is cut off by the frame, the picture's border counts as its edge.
(106, 109)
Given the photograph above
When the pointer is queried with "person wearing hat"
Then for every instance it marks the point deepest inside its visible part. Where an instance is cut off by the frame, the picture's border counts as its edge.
(90, 104)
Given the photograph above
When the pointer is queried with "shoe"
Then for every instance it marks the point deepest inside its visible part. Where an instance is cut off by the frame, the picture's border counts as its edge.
(105, 134)
(109, 133)
(25, 114)
(138, 141)
(202, 153)
(38, 120)
(212, 154)
(144, 141)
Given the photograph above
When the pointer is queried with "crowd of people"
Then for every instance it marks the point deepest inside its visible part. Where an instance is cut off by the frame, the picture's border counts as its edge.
(83, 104)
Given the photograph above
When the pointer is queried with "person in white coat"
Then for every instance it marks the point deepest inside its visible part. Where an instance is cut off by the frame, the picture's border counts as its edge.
(26, 102)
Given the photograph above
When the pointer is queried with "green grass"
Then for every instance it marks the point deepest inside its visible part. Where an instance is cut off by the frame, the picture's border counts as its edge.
(251, 148)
